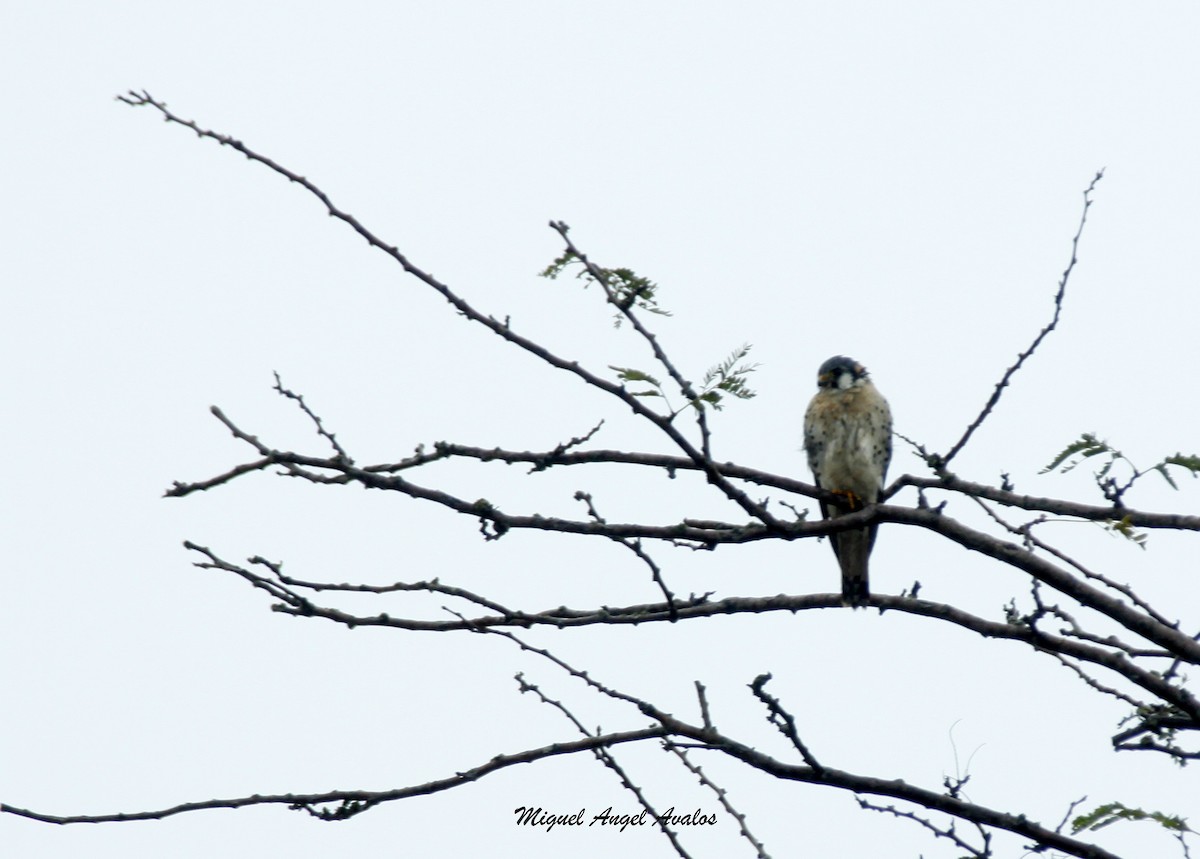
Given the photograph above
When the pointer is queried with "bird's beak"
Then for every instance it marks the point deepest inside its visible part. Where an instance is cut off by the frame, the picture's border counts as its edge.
(824, 380)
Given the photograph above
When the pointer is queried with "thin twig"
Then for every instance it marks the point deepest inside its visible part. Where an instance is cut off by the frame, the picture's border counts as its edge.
(352, 802)
(606, 758)
(635, 546)
(321, 431)
(782, 719)
(722, 797)
(502, 328)
(941, 462)
(949, 833)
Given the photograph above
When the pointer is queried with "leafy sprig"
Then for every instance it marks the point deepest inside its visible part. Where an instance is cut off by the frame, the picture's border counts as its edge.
(1113, 812)
(1089, 445)
(728, 378)
(627, 289)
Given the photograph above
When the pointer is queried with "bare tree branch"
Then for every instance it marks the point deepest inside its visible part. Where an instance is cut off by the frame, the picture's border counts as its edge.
(782, 719)
(709, 738)
(352, 802)
(635, 546)
(938, 462)
(722, 797)
(1111, 657)
(1082, 639)
(606, 758)
(949, 832)
(1092, 512)
(664, 423)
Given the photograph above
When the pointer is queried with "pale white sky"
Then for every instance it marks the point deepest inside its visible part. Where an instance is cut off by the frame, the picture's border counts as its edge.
(897, 182)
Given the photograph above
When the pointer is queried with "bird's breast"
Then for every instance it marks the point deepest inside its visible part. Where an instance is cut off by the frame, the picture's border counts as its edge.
(848, 445)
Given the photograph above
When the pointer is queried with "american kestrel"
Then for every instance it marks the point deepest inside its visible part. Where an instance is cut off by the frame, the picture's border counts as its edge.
(848, 438)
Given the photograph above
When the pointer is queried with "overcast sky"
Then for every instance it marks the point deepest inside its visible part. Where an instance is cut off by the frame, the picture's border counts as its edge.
(896, 182)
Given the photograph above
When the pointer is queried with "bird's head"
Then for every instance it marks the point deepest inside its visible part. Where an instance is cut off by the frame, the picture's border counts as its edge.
(840, 373)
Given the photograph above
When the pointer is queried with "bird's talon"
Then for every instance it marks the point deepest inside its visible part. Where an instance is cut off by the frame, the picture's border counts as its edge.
(853, 502)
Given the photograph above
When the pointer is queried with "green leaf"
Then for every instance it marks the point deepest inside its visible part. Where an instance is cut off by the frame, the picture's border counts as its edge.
(1125, 528)
(629, 374)
(623, 286)
(629, 289)
(722, 369)
(1113, 812)
(1086, 446)
(1191, 463)
(559, 265)
(730, 378)
(1161, 468)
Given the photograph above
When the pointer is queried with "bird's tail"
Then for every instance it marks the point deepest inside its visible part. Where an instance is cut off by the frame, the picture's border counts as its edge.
(853, 549)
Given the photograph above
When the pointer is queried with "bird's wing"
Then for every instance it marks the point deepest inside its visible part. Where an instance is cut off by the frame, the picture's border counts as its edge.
(814, 447)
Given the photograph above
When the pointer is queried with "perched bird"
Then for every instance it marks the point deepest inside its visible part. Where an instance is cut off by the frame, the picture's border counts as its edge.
(848, 439)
